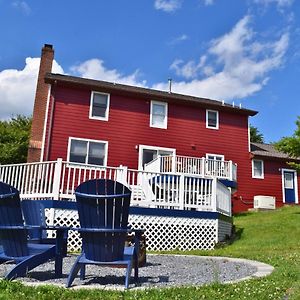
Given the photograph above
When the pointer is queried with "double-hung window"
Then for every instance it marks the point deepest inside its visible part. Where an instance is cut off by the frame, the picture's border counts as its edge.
(212, 119)
(215, 164)
(99, 107)
(159, 114)
(87, 151)
(257, 169)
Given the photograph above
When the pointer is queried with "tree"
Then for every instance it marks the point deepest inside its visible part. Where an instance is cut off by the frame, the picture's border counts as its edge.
(291, 145)
(255, 135)
(14, 140)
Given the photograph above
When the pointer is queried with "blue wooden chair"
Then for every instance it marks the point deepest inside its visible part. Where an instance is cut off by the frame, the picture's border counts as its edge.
(13, 236)
(34, 215)
(103, 207)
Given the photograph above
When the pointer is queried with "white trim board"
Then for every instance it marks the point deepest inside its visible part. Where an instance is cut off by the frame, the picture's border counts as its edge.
(295, 184)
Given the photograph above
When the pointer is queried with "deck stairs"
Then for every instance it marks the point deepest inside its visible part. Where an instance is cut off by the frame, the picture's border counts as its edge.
(137, 193)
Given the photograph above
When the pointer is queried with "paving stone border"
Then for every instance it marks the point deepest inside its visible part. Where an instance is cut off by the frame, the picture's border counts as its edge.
(161, 271)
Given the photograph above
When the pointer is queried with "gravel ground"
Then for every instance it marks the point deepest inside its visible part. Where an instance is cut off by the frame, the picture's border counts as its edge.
(160, 271)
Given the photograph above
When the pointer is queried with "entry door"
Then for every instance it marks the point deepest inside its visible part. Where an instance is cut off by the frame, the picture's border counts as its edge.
(289, 186)
(149, 153)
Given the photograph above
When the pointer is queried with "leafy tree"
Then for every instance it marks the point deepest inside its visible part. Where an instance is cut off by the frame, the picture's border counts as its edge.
(291, 145)
(255, 135)
(14, 139)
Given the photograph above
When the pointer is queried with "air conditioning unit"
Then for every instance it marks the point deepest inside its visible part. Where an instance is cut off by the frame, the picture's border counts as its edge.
(264, 202)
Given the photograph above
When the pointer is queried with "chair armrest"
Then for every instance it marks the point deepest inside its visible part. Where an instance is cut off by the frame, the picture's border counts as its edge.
(103, 230)
(12, 227)
(93, 196)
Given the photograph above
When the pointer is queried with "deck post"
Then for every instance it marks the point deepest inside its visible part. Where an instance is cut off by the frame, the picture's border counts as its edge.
(214, 194)
(181, 192)
(203, 160)
(174, 163)
(56, 179)
(122, 175)
(230, 170)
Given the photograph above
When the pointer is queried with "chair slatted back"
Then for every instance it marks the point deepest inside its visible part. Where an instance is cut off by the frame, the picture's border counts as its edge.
(34, 214)
(14, 242)
(103, 204)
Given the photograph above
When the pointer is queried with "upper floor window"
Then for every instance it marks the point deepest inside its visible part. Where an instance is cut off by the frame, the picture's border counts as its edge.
(212, 119)
(218, 157)
(99, 108)
(257, 168)
(159, 114)
(87, 151)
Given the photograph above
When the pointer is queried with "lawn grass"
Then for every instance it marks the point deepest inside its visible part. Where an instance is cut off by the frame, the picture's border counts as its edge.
(270, 237)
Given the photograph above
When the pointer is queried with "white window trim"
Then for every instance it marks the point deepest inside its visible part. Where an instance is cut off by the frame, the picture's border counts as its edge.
(165, 125)
(295, 184)
(146, 147)
(263, 169)
(249, 136)
(216, 155)
(217, 124)
(88, 140)
(91, 107)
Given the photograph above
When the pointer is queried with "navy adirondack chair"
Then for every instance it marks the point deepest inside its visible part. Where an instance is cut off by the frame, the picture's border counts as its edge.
(13, 236)
(103, 207)
(34, 215)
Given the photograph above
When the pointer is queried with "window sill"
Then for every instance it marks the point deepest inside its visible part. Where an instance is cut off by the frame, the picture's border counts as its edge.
(98, 118)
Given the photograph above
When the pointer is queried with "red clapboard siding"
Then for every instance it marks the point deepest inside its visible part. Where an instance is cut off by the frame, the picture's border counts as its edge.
(128, 126)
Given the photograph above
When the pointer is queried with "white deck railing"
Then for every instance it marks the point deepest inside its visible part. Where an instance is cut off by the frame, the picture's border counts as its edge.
(58, 180)
(193, 165)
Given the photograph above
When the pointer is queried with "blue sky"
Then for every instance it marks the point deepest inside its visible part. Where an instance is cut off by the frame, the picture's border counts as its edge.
(239, 51)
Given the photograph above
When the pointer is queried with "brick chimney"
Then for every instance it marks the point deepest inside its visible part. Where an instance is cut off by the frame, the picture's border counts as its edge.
(40, 104)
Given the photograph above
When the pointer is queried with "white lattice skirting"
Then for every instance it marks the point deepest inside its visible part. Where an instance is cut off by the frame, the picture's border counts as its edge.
(162, 233)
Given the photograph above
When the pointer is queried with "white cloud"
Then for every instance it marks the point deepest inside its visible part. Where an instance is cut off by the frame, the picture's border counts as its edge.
(94, 69)
(279, 3)
(17, 88)
(188, 70)
(209, 2)
(167, 5)
(235, 65)
(22, 6)
(179, 39)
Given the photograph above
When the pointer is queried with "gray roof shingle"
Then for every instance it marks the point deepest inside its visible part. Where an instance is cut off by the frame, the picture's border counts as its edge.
(269, 151)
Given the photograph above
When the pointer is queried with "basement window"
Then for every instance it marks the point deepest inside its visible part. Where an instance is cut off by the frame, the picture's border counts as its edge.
(99, 107)
(257, 169)
(90, 152)
(212, 119)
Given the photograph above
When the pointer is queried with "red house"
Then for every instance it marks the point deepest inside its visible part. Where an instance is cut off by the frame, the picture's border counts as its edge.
(108, 124)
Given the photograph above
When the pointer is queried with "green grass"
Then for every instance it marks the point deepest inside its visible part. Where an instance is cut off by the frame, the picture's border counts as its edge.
(270, 237)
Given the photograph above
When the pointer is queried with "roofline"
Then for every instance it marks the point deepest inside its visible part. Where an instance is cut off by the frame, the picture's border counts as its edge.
(286, 159)
(67, 80)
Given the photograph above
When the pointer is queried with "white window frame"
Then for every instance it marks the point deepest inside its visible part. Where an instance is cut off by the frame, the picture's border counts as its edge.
(165, 104)
(146, 147)
(262, 176)
(295, 184)
(215, 155)
(91, 106)
(88, 140)
(217, 119)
